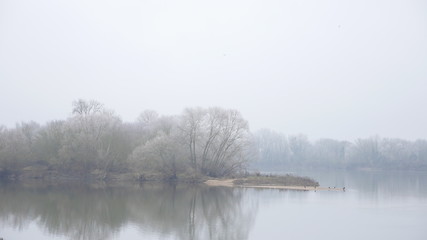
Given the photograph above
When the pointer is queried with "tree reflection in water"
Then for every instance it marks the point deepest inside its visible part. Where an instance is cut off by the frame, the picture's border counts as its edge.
(94, 212)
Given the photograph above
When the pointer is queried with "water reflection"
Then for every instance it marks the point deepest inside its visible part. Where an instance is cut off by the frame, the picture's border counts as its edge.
(372, 184)
(377, 201)
(100, 212)
(388, 185)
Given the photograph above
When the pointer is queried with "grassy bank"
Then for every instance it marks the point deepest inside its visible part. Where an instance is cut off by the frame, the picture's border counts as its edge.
(255, 180)
(276, 180)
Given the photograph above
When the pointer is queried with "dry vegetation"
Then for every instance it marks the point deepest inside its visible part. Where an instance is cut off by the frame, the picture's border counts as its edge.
(276, 180)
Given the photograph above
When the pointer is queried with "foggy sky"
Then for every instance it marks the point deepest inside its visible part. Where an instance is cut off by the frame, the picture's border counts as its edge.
(338, 69)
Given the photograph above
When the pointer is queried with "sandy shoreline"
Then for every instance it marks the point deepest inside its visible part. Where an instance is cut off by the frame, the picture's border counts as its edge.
(230, 183)
(223, 183)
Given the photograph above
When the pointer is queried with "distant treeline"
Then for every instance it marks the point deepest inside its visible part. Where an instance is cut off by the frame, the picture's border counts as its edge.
(296, 151)
(94, 143)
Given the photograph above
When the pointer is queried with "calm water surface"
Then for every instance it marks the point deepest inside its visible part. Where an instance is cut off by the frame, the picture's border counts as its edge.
(376, 205)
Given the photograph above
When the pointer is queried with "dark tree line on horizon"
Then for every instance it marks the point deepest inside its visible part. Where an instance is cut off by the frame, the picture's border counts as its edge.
(95, 143)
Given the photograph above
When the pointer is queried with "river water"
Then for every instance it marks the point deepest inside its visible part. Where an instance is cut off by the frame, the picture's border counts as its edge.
(375, 205)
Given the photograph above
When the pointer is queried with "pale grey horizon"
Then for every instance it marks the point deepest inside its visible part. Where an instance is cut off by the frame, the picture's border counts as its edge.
(327, 69)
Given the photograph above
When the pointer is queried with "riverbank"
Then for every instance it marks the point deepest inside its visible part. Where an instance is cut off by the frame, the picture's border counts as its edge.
(255, 180)
(287, 182)
(230, 183)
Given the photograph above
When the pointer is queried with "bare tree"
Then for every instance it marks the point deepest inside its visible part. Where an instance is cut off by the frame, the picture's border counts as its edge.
(365, 152)
(147, 117)
(83, 107)
(90, 137)
(273, 147)
(300, 148)
(216, 139)
(191, 127)
(162, 155)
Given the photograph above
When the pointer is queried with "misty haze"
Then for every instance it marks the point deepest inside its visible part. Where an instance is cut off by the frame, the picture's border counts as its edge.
(141, 119)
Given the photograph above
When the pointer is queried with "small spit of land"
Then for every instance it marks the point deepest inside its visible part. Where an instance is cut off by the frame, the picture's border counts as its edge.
(288, 181)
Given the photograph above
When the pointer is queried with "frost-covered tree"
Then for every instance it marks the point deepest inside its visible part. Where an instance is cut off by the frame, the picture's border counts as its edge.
(217, 139)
